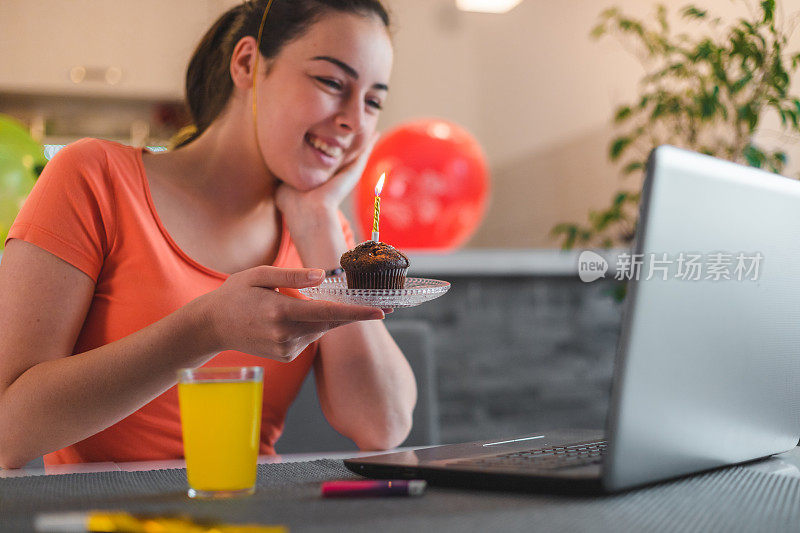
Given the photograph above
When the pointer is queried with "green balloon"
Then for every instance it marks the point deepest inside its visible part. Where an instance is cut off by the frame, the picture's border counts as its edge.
(21, 161)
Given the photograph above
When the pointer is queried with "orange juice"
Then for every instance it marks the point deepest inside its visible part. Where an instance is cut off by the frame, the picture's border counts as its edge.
(221, 422)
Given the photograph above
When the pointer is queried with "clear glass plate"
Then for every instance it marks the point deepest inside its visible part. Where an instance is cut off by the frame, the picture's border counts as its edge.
(416, 291)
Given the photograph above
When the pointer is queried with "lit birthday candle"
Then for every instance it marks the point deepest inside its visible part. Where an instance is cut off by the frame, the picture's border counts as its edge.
(378, 189)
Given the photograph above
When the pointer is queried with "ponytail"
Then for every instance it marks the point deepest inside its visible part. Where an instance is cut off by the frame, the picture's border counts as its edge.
(208, 82)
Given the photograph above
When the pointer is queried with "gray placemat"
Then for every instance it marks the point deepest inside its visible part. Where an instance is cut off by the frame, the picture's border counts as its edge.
(735, 499)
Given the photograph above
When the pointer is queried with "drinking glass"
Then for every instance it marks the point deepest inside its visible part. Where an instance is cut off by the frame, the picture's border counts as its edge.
(221, 422)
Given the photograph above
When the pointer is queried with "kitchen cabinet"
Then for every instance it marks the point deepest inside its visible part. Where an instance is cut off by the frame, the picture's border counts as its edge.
(115, 48)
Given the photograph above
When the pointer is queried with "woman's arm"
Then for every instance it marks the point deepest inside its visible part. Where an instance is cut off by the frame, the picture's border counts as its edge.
(365, 385)
(49, 400)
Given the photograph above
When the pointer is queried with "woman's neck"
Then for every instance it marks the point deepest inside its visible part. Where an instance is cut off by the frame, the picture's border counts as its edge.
(225, 167)
(216, 200)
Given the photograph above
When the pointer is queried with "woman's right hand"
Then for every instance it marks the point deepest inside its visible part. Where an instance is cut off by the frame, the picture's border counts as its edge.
(247, 314)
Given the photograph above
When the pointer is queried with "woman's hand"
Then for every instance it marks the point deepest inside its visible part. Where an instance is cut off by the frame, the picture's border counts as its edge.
(330, 194)
(246, 313)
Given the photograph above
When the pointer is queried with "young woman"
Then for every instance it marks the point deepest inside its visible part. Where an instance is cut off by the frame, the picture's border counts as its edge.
(124, 266)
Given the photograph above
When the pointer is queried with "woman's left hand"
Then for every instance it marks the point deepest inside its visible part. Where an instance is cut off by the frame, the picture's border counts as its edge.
(330, 194)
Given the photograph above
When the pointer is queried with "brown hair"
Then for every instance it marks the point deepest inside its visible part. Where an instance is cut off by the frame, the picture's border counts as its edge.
(208, 81)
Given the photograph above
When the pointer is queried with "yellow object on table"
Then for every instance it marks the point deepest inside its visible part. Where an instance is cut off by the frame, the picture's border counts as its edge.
(122, 522)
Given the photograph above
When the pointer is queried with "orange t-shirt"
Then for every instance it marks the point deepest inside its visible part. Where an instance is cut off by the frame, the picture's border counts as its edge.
(92, 208)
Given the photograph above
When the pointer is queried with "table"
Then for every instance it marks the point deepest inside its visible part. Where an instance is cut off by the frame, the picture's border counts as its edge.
(758, 496)
(142, 466)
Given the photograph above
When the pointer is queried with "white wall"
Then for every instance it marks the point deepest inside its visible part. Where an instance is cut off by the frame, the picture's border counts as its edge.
(538, 93)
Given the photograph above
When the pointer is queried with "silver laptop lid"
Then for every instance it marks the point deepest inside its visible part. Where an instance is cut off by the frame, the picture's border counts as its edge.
(708, 369)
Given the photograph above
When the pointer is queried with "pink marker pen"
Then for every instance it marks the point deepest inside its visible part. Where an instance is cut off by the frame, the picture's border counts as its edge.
(363, 488)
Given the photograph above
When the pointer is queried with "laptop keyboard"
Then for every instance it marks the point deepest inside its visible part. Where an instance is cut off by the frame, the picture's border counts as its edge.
(552, 458)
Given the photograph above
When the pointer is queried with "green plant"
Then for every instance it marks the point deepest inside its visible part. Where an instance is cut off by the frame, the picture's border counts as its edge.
(707, 93)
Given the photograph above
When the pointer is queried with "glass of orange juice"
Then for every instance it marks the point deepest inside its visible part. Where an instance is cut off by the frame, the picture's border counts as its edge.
(221, 423)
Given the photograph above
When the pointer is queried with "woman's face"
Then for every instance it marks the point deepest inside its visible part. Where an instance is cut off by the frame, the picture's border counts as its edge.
(320, 100)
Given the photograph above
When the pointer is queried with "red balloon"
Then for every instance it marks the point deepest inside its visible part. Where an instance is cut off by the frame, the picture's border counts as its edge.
(436, 187)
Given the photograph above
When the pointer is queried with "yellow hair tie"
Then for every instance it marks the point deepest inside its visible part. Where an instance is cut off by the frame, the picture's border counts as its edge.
(255, 68)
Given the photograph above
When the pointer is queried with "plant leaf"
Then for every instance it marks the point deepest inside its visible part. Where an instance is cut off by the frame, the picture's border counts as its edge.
(754, 156)
(661, 16)
(622, 113)
(610, 12)
(630, 168)
(747, 114)
(619, 199)
(740, 84)
(569, 232)
(598, 31)
(618, 146)
(693, 12)
(768, 7)
(631, 26)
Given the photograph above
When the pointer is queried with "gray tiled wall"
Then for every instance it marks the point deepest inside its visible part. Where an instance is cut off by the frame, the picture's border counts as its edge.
(520, 354)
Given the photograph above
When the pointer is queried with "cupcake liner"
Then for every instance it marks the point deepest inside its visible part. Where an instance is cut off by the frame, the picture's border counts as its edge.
(393, 278)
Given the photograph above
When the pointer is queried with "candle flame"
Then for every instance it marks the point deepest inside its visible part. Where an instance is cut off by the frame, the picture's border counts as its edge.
(379, 186)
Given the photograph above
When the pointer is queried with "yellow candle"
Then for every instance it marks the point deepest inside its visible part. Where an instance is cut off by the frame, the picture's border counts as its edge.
(375, 219)
(377, 214)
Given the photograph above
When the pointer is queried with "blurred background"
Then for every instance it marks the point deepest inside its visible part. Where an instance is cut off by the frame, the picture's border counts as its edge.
(519, 342)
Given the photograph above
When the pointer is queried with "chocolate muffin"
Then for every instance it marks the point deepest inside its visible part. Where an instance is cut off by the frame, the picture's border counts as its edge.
(374, 265)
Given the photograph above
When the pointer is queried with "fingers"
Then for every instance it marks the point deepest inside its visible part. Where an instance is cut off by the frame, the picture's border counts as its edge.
(289, 309)
(291, 320)
(302, 333)
(273, 277)
(289, 340)
(287, 352)
(297, 310)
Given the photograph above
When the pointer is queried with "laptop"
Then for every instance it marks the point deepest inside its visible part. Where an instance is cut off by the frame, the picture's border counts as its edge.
(707, 370)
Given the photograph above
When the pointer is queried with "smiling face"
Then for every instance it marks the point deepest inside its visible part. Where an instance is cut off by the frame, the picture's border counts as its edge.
(319, 102)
